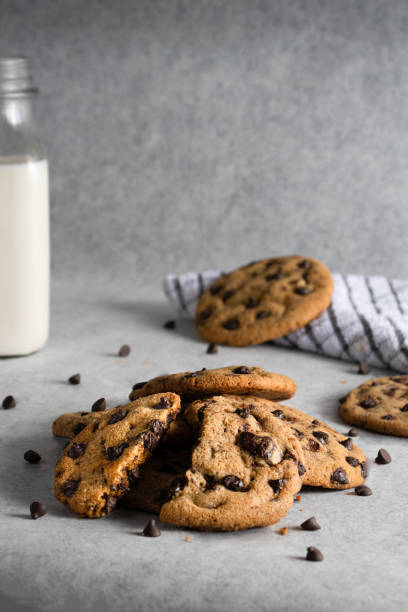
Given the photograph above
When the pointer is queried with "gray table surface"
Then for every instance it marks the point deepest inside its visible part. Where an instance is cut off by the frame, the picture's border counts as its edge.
(61, 562)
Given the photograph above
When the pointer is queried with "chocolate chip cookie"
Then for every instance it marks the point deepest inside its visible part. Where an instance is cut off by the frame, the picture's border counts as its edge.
(70, 424)
(100, 464)
(264, 300)
(151, 489)
(238, 380)
(380, 404)
(332, 460)
(244, 473)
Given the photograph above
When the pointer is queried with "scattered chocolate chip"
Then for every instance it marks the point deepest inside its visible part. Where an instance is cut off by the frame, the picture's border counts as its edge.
(262, 446)
(110, 503)
(242, 370)
(352, 461)
(388, 417)
(303, 290)
(353, 433)
(363, 368)
(276, 276)
(233, 483)
(278, 414)
(124, 350)
(163, 404)
(243, 412)
(76, 450)
(321, 436)
(37, 510)
(75, 379)
(69, 487)
(114, 452)
(231, 324)
(310, 524)
(277, 484)
(170, 325)
(313, 446)
(151, 530)
(78, 427)
(347, 443)
(9, 402)
(383, 457)
(138, 385)
(212, 348)
(228, 294)
(314, 554)
(99, 405)
(32, 457)
(262, 314)
(363, 490)
(301, 469)
(305, 264)
(117, 416)
(339, 476)
(369, 402)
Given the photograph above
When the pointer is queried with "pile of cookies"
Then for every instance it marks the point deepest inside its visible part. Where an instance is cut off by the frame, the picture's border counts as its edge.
(212, 450)
(264, 300)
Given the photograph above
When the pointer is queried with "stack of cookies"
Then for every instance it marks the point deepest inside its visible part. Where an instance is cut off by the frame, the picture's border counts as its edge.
(212, 450)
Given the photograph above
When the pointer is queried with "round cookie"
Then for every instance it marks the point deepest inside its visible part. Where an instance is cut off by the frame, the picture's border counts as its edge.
(332, 460)
(156, 477)
(99, 465)
(380, 404)
(245, 470)
(264, 300)
(237, 380)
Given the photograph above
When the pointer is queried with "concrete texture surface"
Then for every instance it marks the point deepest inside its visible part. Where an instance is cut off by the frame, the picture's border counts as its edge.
(186, 135)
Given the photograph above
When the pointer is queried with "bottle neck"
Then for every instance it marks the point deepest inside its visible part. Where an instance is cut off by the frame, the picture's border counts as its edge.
(19, 136)
(16, 111)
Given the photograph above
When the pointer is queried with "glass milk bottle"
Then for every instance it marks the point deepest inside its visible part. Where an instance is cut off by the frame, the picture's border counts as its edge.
(24, 215)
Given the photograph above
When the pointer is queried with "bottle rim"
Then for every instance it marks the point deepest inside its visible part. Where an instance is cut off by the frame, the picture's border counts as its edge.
(15, 77)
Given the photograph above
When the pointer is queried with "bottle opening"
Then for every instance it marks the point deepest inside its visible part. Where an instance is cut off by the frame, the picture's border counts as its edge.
(15, 76)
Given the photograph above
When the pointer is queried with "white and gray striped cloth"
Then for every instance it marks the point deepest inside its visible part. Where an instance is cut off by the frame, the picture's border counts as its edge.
(367, 320)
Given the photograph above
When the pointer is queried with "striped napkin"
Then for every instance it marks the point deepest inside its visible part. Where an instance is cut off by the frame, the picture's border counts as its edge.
(367, 320)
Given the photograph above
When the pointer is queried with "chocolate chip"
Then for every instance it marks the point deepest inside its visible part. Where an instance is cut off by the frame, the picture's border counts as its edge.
(363, 368)
(298, 434)
(212, 348)
(157, 427)
(84, 413)
(339, 476)
(383, 457)
(243, 412)
(151, 530)
(215, 290)
(75, 379)
(363, 490)
(99, 405)
(150, 440)
(310, 524)
(301, 469)
(262, 314)
(262, 446)
(117, 416)
(124, 350)
(32, 457)
(78, 427)
(313, 446)
(399, 379)
(369, 402)
(163, 404)
(364, 469)
(177, 485)
(352, 461)
(314, 554)
(170, 325)
(37, 510)
(133, 475)
(315, 422)
(388, 417)
(278, 414)
(277, 484)
(138, 385)
(353, 432)
(110, 503)
(390, 392)
(276, 276)
(242, 370)
(303, 290)
(231, 324)
(251, 303)
(95, 427)
(305, 264)
(9, 402)
(69, 487)
(233, 483)
(211, 482)
(321, 436)
(228, 294)
(76, 450)
(404, 408)
(347, 443)
(343, 399)
(204, 315)
(114, 452)
(200, 413)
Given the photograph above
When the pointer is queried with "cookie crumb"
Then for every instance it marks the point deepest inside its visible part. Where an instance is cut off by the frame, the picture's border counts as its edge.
(188, 539)
(283, 531)
(343, 382)
(170, 325)
(298, 497)
(124, 351)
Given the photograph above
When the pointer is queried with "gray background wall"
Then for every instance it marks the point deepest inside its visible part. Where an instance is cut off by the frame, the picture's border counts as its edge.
(192, 134)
